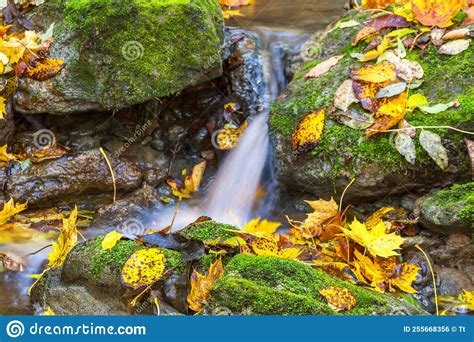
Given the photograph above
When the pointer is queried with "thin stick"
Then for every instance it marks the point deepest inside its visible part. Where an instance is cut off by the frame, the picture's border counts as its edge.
(111, 172)
(433, 277)
(175, 213)
(425, 127)
(344, 192)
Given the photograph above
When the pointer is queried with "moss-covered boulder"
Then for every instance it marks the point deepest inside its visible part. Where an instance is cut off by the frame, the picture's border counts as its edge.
(343, 152)
(450, 210)
(120, 53)
(256, 285)
(208, 231)
(89, 283)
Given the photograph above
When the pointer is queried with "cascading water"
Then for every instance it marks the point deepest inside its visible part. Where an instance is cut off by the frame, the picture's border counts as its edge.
(233, 196)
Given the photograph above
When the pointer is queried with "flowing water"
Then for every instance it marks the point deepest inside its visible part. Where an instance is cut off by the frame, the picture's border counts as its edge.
(233, 196)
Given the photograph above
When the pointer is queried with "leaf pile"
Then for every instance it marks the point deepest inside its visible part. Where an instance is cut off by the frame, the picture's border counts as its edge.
(379, 91)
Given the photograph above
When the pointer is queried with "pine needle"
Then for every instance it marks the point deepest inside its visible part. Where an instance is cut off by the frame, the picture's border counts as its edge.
(111, 172)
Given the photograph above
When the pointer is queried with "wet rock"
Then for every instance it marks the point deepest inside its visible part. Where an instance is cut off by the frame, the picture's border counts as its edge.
(120, 57)
(448, 211)
(159, 142)
(452, 281)
(7, 125)
(71, 179)
(129, 213)
(255, 285)
(379, 170)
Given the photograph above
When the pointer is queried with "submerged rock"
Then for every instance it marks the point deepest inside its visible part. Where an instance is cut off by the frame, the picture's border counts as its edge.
(344, 153)
(449, 210)
(256, 285)
(70, 179)
(121, 53)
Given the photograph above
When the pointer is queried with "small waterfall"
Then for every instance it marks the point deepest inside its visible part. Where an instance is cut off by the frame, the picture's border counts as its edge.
(234, 195)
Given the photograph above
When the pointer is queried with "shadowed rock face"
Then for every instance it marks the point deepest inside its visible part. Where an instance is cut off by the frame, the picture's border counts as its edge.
(344, 153)
(70, 178)
(119, 54)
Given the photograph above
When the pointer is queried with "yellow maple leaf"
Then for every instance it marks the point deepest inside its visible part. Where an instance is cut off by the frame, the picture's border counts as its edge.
(308, 131)
(404, 277)
(10, 209)
(201, 285)
(261, 228)
(376, 217)
(110, 240)
(143, 268)
(377, 241)
(339, 298)
(67, 239)
(267, 247)
(436, 12)
(191, 182)
(325, 216)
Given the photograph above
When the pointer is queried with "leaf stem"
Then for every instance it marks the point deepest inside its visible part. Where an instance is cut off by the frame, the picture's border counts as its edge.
(425, 127)
(111, 171)
(432, 276)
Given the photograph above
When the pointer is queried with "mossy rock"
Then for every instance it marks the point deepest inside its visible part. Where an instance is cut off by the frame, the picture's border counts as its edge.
(257, 285)
(450, 210)
(344, 153)
(89, 262)
(120, 53)
(208, 232)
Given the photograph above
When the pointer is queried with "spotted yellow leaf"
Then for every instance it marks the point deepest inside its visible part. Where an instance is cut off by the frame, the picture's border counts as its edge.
(261, 228)
(375, 73)
(339, 298)
(191, 182)
(308, 131)
(10, 209)
(143, 268)
(67, 239)
(404, 276)
(201, 285)
(228, 137)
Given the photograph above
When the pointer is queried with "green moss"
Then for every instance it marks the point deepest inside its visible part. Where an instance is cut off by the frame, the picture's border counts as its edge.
(172, 43)
(113, 258)
(267, 274)
(453, 196)
(208, 231)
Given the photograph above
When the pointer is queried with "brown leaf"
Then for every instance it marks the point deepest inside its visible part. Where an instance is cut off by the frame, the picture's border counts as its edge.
(365, 92)
(470, 150)
(456, 34)
(345, 96)
(323, 67)
(470, 16)
(386, 21)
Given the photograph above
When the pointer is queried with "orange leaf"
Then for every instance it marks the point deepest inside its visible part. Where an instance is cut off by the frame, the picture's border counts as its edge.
(201, 285)
(44, 69)
(389, 114)
(323, 67)
(436, 12)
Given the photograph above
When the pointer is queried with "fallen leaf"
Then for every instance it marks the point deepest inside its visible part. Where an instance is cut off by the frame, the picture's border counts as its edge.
(405, 145)
(437, 36)
(228, 137)
(110, 240)
(201, 285)
(438, 108)
(365, 93)
(431, 142)
(5, 157)
(345, 96)
(377, 241)
(457, 34)
(54, 151)
(191, 182)
(470, 16)
(436, 12)
(263, 246)
(325, 214)
(389, 114)
(375, 218)
(143, 268)
(404, 276)
(416, 101)
(454, 47)
(377, 73)
(308, 131)
(378, 24)
(10, 209)
(261, 228)
(67, 239)
(43, 69)
(339, 298)
(323, 67)
(470, 150)
(391, 90)
(354, 118)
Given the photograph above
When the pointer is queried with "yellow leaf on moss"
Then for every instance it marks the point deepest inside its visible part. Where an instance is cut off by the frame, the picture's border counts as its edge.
(201, 285)
(339, 298)
(143, 268)
(308, 132)
(416, 101)
(10, 209)
(267, 247)
(376, 73)
(110, 240)
(377, 241)
(261, 228)
(67, 239)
